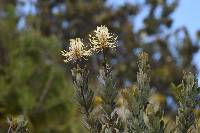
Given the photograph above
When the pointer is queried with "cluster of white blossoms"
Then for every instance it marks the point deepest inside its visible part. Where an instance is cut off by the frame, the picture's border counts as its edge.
(76, 51)
(102, 39)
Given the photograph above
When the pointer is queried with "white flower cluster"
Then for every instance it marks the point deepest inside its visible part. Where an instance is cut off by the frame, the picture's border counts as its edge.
(101, 40)
(76, 51)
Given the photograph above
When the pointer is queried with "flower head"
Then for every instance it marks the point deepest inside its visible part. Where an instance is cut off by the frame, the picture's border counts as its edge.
(76, 51)
(102, 39)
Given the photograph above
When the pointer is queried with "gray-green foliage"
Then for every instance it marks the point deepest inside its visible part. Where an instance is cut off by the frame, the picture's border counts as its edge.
(140, 114)
(109, 92)
(83, 95)
(145, 117)
(187, 98)
(140, 98)
(101, 119)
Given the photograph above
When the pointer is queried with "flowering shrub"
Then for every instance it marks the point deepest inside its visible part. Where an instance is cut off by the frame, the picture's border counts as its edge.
(110, 109)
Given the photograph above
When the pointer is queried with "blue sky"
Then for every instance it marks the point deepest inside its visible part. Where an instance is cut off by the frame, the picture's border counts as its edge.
(188, 14)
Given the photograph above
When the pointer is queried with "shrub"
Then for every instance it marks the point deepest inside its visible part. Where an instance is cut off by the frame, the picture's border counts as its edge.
(109, 108)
